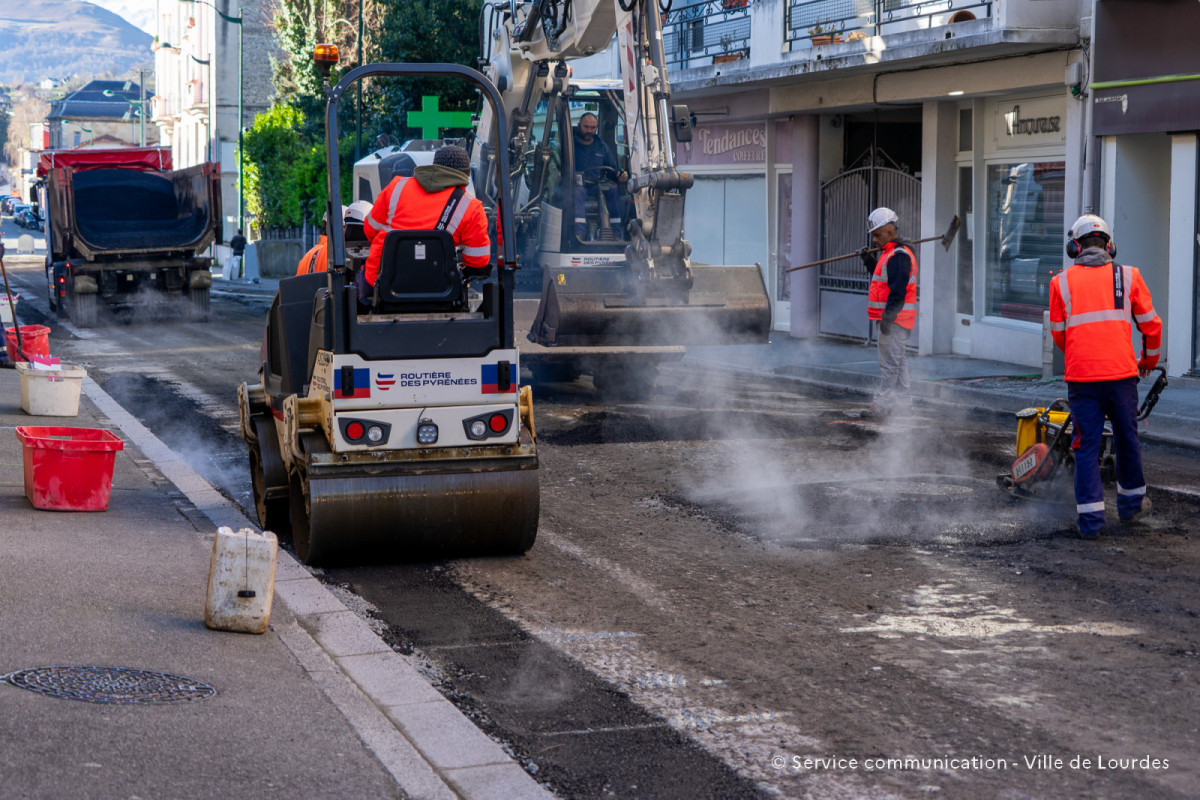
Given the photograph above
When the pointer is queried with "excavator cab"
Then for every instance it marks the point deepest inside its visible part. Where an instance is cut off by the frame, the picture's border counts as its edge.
(392, 423)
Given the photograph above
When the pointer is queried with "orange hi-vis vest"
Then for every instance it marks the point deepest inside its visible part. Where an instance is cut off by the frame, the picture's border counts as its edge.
(405, 205)
(316, 259)
(877, 296)
(1092, 313)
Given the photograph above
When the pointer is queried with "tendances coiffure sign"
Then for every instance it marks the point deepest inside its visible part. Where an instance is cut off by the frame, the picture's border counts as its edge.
(725, 144)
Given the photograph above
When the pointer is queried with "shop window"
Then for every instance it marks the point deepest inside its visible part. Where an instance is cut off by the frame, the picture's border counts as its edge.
(725, 219)
(1025, 237)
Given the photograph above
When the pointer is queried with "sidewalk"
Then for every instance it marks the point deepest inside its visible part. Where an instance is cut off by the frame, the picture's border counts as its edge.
(317, 707)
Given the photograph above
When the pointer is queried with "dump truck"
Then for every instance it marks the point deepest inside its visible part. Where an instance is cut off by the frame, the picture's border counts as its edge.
(124, 230)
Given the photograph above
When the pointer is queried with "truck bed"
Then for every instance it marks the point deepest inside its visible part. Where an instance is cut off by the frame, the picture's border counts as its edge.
(117, 209)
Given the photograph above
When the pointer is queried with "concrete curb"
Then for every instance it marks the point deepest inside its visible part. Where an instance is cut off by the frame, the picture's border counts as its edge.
(424, 742)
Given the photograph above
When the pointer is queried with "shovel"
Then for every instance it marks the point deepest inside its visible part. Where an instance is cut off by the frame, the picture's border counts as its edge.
(12, 306)
(946, 238)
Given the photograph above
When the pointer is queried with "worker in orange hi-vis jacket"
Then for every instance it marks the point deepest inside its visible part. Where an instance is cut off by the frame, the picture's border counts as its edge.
(317, 257)
(1094, 304)
(434, 198)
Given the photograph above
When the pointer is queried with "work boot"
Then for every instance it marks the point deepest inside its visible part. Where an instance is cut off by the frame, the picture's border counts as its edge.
(877, 411)
(1139, 515)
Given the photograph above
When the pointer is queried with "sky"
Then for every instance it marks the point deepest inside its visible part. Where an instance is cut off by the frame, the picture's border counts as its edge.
(139, 12)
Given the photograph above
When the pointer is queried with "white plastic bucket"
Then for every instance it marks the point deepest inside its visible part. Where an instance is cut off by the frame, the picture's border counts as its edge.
(51, 392)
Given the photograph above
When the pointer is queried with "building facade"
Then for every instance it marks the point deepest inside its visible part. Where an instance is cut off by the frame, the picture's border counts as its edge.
(213, 75)
(103, 113)
(809, 113)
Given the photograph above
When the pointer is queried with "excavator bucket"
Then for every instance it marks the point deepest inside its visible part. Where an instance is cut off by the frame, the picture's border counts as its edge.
(605, 305)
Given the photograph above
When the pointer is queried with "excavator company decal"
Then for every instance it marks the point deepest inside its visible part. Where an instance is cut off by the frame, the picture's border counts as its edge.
(358, 383)
(385, 381)
(562, 279)
(490, 378)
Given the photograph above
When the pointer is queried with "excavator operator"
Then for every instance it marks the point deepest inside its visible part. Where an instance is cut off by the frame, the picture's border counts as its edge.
(594, 162)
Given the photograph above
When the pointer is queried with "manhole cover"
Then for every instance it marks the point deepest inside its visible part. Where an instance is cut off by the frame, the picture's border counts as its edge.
(110, 685)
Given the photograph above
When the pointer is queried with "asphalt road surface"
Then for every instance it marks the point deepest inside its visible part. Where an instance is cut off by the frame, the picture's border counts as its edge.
(739, 591)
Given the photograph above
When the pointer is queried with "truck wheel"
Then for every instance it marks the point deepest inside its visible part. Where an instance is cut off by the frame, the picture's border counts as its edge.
(82, 310)
(201, 311)
(52, 294)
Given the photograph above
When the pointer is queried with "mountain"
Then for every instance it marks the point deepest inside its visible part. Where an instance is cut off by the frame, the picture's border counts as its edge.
(61, 38)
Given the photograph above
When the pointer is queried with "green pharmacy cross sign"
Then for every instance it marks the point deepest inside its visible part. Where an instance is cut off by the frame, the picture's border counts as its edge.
(430, 120)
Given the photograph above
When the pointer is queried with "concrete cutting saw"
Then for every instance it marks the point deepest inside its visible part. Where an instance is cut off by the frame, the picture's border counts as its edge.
(1044, 445)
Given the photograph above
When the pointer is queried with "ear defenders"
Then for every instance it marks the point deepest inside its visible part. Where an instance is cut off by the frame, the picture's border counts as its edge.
(1074, 248)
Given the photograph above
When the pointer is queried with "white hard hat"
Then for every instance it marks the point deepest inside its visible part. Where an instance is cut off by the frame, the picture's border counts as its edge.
(325, 216)
(1088, 225)
(880, 217)
(357, 212)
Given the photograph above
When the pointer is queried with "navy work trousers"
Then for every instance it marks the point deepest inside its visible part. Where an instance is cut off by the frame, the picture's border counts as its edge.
(1090, 404)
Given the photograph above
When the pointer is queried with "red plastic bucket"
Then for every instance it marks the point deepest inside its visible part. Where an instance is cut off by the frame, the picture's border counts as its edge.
(35, 341)
(68, 469)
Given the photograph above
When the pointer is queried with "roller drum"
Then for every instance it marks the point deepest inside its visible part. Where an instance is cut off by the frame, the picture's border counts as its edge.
(369, 518)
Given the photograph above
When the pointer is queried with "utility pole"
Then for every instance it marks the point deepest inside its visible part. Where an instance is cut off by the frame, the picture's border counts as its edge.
(358, 103)
(142, 105)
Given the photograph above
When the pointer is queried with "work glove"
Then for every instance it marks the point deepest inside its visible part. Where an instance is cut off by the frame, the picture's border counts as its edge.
(885, 327)
(869, 258)
(1146, 365)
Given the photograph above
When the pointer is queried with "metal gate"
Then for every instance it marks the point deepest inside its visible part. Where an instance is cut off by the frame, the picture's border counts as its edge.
(872, 181)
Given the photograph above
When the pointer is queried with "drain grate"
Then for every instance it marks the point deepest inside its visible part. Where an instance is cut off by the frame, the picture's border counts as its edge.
(110, 685)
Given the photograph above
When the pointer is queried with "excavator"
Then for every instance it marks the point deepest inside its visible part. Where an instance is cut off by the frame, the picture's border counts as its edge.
(394, 426)
(619, 292)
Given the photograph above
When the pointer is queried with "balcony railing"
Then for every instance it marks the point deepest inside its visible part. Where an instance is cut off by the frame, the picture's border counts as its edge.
(847, 19)
(707, 32)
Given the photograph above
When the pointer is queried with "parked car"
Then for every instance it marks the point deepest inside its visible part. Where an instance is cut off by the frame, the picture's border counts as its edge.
(7, 203)
(29, 219)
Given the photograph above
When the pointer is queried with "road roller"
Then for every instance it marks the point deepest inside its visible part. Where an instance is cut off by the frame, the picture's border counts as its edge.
(392, 425)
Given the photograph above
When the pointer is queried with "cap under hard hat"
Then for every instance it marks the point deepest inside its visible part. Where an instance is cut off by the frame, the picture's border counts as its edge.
(1089, 225)
(880, 217)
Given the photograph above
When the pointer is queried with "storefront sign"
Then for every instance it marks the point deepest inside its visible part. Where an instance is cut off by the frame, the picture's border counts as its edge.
(725, 144)
(1029, 122)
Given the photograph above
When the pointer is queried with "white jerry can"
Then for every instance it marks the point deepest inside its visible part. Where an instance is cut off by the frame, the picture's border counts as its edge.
(241, 581)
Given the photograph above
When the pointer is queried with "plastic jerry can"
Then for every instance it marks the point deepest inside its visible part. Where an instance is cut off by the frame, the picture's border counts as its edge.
(241, 581)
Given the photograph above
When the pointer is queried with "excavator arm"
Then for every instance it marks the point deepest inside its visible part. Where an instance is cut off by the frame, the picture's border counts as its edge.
(653, 295)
